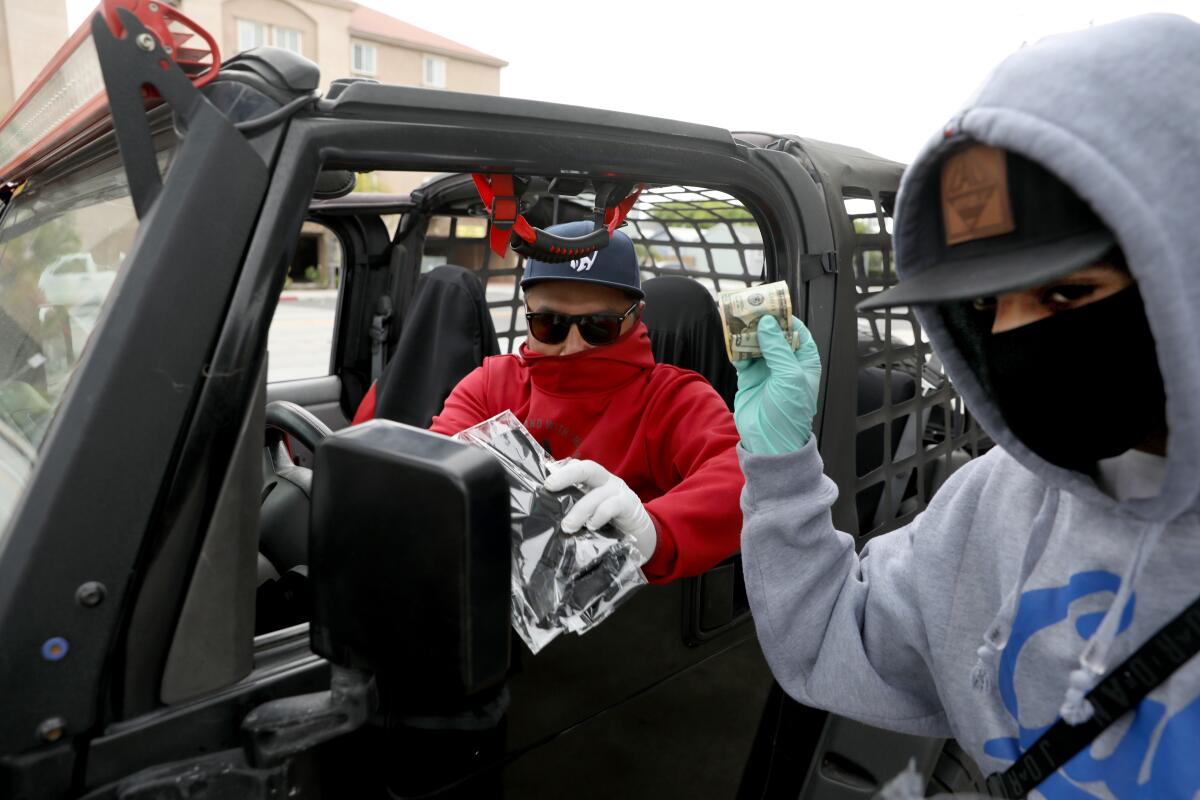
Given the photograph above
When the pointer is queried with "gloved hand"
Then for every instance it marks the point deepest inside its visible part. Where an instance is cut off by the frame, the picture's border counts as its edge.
(777, 394)
(607, 500)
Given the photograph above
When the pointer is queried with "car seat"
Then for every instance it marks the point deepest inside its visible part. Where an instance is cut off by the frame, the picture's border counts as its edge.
(446, 332)
(685, 331)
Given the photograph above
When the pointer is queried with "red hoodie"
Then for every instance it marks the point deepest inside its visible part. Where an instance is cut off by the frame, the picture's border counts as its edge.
(663, 430)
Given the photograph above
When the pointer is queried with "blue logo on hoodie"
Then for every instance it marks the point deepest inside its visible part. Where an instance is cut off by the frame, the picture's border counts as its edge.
(1156, 755)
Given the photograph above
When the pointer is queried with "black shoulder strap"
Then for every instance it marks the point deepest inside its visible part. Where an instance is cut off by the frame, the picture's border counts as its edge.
(1121, 690)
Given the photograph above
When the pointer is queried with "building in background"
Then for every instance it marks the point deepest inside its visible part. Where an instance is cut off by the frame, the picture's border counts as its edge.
(344, 38)
(31, 31)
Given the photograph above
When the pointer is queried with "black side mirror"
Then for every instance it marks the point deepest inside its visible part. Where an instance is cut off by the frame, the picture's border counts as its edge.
(409, 563)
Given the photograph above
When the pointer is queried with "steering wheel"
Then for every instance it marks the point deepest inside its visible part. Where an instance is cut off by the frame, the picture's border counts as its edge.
(283, 517)
(285, 418)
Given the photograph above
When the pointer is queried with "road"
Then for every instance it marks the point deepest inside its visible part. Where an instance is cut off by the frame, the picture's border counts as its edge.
(301, 337)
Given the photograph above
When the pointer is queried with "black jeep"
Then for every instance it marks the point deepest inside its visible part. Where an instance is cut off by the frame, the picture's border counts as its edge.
(211, 586)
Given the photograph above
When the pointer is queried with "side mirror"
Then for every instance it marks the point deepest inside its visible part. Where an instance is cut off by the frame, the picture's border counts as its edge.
(409, 563)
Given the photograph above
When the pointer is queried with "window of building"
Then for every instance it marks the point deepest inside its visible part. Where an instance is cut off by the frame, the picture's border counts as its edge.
(362, 59)
(251, 34)
(433, 72)
(287, 38)
(256, 34)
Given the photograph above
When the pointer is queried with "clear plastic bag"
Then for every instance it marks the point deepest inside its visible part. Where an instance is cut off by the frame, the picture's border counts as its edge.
(560, 581)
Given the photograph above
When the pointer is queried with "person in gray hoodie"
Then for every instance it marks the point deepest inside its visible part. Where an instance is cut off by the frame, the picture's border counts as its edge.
(1048, 239)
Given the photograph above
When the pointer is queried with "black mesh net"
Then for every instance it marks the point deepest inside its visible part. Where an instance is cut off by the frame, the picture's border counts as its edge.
(913, 429)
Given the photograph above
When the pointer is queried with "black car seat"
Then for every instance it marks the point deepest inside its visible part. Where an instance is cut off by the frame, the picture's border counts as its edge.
(685, 330)
(445, 333)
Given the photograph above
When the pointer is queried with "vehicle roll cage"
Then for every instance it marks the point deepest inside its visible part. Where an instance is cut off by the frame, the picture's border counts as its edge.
(510, 228)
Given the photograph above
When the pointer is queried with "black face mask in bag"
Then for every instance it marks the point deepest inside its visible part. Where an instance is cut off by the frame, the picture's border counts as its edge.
(1081, 385)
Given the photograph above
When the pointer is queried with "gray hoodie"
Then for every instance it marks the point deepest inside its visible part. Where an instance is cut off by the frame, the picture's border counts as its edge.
(996, 609)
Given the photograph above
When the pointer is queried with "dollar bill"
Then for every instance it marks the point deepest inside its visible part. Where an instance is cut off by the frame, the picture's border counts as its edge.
(745, 345)
(742, 309)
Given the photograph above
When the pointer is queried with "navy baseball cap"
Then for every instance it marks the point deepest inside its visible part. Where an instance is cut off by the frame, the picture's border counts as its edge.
(615, 265)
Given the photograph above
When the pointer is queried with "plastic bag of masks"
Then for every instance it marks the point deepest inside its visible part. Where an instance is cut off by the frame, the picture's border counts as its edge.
(560, 582)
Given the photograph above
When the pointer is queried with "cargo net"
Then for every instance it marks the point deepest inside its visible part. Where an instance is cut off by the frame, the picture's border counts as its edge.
(704, 234)
(912, 429)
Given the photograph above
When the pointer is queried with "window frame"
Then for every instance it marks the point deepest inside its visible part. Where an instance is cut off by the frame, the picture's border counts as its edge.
(276, 30)
(427, 61)
(244, 25)
(330, 235)
(365, 48)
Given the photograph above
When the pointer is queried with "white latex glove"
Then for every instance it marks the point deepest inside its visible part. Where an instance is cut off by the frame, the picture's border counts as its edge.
(607, 499)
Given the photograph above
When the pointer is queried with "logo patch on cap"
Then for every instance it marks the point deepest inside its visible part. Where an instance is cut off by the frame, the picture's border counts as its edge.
(585, 263)
(975, 203)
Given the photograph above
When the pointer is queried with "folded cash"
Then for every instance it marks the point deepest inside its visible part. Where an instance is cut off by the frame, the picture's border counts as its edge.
(745, 345)
(742, 309)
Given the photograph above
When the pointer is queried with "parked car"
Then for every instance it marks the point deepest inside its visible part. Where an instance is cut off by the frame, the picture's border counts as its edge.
(139, 546)
(76, 279)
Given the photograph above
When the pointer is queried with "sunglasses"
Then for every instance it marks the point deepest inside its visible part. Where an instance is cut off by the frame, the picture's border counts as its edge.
(550, 327)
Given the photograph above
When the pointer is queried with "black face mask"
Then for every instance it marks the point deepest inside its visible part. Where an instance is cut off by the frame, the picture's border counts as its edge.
(1081, 385)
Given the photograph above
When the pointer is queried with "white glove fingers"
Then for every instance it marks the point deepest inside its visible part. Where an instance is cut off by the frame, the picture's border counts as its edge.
(585, 507)
(588, 473)
(605, 512)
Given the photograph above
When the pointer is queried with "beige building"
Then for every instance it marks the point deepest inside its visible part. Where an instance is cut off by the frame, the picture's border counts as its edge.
(343, 38)
(347, 39)
(31, 31)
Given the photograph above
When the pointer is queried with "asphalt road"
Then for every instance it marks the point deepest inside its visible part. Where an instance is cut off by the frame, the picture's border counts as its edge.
(301, 337)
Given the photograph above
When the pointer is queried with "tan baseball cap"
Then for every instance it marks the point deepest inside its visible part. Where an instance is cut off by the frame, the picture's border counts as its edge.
(1007, 224)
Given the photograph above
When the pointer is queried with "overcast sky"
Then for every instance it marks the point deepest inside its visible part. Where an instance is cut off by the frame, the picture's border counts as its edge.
(878, 75)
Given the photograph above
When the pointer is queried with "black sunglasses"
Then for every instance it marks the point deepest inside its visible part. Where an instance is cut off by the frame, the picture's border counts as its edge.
(550, 327)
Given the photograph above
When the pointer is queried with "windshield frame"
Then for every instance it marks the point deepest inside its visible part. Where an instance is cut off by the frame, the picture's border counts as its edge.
(90, 196)
(112, 448)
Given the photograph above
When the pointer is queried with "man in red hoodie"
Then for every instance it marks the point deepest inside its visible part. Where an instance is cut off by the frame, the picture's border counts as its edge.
(653, 445)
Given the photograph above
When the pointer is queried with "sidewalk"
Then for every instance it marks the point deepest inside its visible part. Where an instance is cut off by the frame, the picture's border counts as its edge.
(294, 295)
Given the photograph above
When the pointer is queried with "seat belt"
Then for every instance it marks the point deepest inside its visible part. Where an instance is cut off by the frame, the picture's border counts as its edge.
(1120, 691)
(379, 335)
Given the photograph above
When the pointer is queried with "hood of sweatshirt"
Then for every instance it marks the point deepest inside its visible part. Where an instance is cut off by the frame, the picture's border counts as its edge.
(1095, 109)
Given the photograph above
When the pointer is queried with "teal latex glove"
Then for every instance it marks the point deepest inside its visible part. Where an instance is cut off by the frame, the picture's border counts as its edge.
(777, 394)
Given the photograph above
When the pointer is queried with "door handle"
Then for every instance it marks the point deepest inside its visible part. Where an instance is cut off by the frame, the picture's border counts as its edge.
(714, 602)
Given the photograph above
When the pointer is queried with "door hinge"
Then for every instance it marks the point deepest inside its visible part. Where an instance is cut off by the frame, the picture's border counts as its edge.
(813, 265)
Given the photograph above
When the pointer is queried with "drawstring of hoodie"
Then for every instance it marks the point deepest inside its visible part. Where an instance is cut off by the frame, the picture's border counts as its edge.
(1093, 659)
(987, 657)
